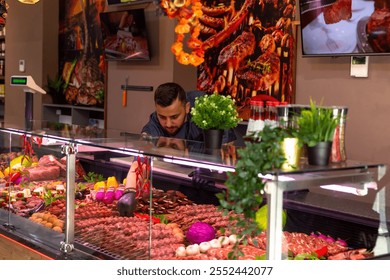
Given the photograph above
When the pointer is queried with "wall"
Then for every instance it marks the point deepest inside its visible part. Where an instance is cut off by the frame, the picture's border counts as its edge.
(162, 68)
(32, 36)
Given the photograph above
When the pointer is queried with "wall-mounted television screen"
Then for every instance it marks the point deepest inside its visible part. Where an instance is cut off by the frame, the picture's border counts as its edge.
(345, 27)
(125, 35)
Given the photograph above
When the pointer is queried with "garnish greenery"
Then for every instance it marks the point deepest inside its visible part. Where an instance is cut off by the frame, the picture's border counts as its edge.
(263, 67)
(244, 194)
(215, 111)
(93, 177)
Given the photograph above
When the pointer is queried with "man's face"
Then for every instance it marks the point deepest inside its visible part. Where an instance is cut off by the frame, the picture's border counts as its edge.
(173, 116)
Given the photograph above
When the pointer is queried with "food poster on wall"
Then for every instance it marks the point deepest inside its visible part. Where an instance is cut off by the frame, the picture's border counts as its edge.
(81, 58)
(249, 50)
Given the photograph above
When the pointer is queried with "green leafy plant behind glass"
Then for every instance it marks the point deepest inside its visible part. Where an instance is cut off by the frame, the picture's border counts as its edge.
(244, 193)
(215, 111)
(316, 124)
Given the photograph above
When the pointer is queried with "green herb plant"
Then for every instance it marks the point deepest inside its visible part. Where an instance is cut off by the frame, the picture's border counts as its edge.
(215, 111)
(92, 177)
(55, 84)
(244, 195)
(316, 124)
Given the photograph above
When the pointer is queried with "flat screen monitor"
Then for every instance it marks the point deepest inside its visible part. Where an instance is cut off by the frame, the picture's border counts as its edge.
(125, 36)
(345, 28)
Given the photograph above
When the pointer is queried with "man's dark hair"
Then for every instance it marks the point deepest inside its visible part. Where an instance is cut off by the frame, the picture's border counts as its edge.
(166, 93)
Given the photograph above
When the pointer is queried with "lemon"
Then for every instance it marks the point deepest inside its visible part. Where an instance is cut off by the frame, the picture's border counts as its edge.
(2, 175)
(112, 182)
(98, 185)
(262, 214)
(6, 171)
(20, 161)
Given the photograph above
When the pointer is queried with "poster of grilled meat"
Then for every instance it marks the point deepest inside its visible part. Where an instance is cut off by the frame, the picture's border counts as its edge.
(249, 49)
(81, 58)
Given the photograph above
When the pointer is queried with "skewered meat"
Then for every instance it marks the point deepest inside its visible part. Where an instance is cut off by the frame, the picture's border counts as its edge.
(206, 30)
(378, 29)
(340, 10)
(216, 11)
(261, 73)
(213, 22)
(218, 38)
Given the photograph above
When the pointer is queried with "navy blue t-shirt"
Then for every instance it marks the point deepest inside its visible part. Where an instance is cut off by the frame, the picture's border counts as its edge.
(188, 131)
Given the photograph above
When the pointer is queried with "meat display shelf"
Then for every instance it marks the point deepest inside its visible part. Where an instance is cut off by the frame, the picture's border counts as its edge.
(363, 177)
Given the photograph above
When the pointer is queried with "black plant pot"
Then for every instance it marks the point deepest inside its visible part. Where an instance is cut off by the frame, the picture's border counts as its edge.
(319, 154)
(212, 139)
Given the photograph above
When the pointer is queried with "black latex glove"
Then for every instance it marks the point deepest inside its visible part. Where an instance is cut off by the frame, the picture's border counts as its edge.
(201, 178)
(127, 204)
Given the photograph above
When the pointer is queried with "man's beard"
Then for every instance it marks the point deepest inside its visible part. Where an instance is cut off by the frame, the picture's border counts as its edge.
(171, 131)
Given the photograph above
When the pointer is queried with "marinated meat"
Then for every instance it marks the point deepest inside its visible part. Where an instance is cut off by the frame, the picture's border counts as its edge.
(261, 73)
(213, 22)
(340, 10)
(378, 30)
(241, 47)
(39, 173)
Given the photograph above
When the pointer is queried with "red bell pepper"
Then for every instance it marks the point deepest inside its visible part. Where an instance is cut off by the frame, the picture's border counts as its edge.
(14, 176)
(321, 252)
(146, 217)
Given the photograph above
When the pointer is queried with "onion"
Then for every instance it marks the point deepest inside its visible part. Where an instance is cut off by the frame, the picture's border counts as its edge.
(192, 250)
(100, 194)
(329, 239)
(233, 239)
(181, 251)
(118, 193)
(215, 243)
(18, 180)
(224, 240)
(322, 236)
(109, 197)
(341, 242)
(204, 247)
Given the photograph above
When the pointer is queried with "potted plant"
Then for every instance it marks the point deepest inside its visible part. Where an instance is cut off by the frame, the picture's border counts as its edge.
(55, 88)
(214, 113)
(316, 126)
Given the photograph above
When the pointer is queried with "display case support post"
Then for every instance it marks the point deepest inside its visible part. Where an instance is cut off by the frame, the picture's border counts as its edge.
(382, 245)
(70, 151)
(29, 110)
(274, 220)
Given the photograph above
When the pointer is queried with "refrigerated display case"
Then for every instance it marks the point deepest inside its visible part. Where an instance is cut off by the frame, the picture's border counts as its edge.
(183, 184)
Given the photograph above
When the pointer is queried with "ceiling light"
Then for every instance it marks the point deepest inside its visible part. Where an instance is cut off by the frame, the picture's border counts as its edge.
(28, 1)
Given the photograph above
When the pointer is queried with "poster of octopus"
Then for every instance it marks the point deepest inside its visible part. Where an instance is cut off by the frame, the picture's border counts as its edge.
(81, 58)
(250, 49)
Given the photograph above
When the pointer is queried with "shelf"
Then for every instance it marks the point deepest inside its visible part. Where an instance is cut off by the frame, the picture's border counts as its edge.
(72, 114)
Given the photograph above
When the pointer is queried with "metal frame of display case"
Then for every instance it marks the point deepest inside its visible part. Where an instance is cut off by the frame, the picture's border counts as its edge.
(358, 174)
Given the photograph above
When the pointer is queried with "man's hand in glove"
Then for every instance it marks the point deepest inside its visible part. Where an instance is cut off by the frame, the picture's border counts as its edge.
(127, 204)
(201, 178)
